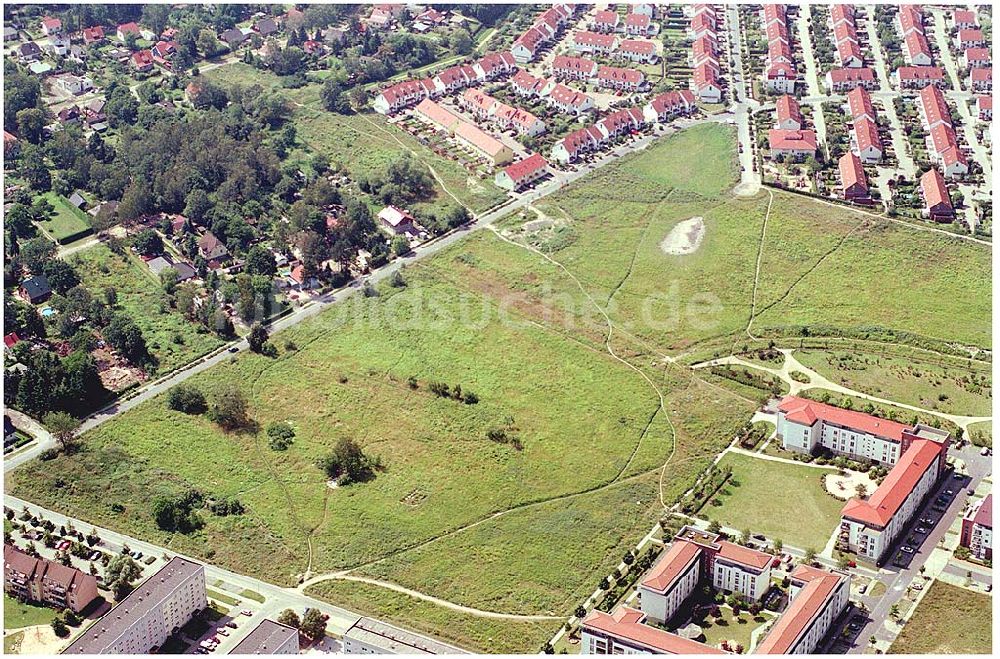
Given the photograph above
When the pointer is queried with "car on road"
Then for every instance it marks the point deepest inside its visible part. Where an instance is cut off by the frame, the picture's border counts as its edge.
(926, 520)
(854, 626)
(906, 549)
(921, 529)
(759, 536)
(917, 586)
(985, 451)
(246, 612)
(232, 624)
(222, 631)
(971, 492)
(234, 349)
(949, 493)
(95, 556)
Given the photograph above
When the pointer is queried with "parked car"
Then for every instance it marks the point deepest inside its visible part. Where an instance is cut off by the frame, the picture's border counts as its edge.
(246, 612)
(232, 624)
(921, 529)
(926, 520)
(222, 631)
(917, 586)
(906, 550)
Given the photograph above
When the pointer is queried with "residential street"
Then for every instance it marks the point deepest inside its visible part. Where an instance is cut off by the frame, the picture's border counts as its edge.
(815, 86)
(750, 182)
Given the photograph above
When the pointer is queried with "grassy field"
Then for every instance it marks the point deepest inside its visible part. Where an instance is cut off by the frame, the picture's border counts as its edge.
(822, 266)
(487, 635)
(733, 628)
(19, 614)
(171, 338)
(364, 144)
(753, 502)
(948, 620)
(950, 389)
(66, 221)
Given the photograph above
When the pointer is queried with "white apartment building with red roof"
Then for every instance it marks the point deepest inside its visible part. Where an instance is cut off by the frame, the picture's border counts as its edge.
(868, 527)
(697, 555)
(817, 600)
(806, 426)
(977, 529)
(624, 632)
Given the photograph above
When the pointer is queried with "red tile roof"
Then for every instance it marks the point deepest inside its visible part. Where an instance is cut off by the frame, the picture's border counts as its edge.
(744, 555)
(863, 74)
(637, 46)
(984, 517)
(637, 20)
(573, 64)
(920, 73)
(916, 44)
(786, 140)
(974, 34)
(142, 58)
(841, 13)
(626, 623)
(606, 17)
(845, 32)
(129, 28)
(911, 17)
(787, 107)
(525, 81)
(51, 23)
(800, 612)
(619, 74)
(934, 190)
(852, 173)
(92, 34)
(10, 340)
(859, 103)
(594, 39)
(935, 108)
(566, 96)
(806, 412)
(526, 168)
(671, 565)
(879, 509)
(977, 54)
(866, 134)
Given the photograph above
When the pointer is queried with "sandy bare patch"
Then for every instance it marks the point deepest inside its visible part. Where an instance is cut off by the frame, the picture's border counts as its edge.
(844, 487)
(41, 640)
(684, 238)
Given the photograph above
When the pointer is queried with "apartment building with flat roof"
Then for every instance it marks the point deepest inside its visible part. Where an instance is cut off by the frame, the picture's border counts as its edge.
(41, 580)
(369, 636)
(977, 529)
(157, 608)
(269, 637)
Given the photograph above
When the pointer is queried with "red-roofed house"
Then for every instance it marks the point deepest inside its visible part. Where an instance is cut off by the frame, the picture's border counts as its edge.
(859, 103)
(911, 20)
(935, 108)
(705, 84)
(494, 65)
(508, 117)
(981, 80)
(93, 34)
(41, 580)
(787, 115)
(780, 78)
(792, 143)
(594, 42)
(977, 529)
(605, 21)
(668, 105)
(965, 19)
(10, 340)
(525, 84)
(984, 108)
(841, 14)
(566, 67)
(51, 26)
(577, 144)
(818, 597)
(569, 100)
(807, 426)
(868, 527)
(636, 50)
(937, 201)
(403, 94)
(142, 60)
(478, 103)
(842, 80)
(973, 38)
(853, 182)
(917, 49)
(867, 141)
(976, 57)
(126, 29)
(528, 44)
(618, 78)
(623, 632)
(521, 174)
(918, 77)
(639, 25)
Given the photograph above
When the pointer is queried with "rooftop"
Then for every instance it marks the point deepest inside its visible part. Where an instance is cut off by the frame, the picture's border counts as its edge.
(266, 638)
(395, 640)
(890, 495)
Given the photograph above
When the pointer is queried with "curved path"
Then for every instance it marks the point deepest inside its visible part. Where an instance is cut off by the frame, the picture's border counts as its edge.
(428, 598)
(817, 381)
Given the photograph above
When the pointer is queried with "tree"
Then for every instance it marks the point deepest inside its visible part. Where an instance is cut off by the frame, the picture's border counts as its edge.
(260, 261)
(197, 205)
(125, 337)
(280, 435)
(861, 490)
(33, 168)
(147, 242)
(30, 123)
(59, 627)
(208, 44)
(778, 546)
(809, 557)
(63, 426)
(230, 409)
(290, 618)
(187, 399)
(313, 625)
(334, 97)
(714, 526)
(35, 253)
(257, 338)
(461, 42)
(894, 611)
(400, 245)
(121, 572)
(61, 275)
(347, 463)
(745, 537)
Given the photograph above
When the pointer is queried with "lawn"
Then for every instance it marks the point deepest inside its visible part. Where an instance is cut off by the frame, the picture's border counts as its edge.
(172, 339)
(822, 267)
(751, 499)
(19, 614)
(66, 223)
(732, 628)
(589, 467)
(222, 597)
(364, 144)
(954, 388)
(948, 620)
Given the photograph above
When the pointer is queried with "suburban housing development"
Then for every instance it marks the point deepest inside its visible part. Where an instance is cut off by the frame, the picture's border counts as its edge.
(498, 328)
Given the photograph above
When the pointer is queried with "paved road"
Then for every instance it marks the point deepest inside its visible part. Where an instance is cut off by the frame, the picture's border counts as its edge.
(276, 597)
(898, 578)
(803, 23)
(750, 182)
